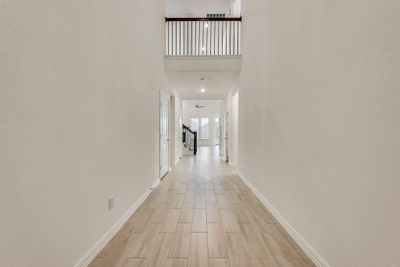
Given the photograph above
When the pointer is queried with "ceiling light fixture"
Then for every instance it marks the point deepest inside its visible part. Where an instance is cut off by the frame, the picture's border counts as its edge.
(202, 90)
(206, 25)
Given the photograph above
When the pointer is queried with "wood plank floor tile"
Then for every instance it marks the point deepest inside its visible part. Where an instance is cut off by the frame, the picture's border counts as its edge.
(132, 262)
(277, 244)
(218, 263)
(202, 214)
(253, 242)
(212, 213)
(177, 202)
(180, 247)
(267, 227)
(200, 201)
(177, 263)
(238, 256)
(216, 241)
(159, 255)
(199, 221)
(198, 253)
(186, 215)
(160, 214)
(210, 196)
(230, 222)
(210, 186)
(222, 201)
(306, 262)
(97, 262)
(239, 212)
(141, 245)
(189, 197)
(263, 262)
(171, 220)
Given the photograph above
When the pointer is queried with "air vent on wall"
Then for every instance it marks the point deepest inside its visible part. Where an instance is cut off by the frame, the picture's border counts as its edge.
(215, 15)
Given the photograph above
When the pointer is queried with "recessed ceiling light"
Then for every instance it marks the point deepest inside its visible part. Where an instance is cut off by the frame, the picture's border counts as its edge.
(206, 25)
(202, 90)
(203, 48)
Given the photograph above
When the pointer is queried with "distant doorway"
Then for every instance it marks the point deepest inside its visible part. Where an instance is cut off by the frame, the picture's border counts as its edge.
(216, 131)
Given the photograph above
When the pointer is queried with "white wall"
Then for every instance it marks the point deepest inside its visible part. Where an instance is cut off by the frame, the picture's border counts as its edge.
(195, 8)
(79, 102)
(320, 122)
(211, 111)
(235, 7)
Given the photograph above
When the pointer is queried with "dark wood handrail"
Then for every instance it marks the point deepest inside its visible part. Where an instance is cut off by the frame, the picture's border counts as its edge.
(187, 128)
(205, 19)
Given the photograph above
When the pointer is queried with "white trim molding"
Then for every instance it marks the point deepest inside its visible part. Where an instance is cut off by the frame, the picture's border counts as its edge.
(156, 183)
(303, 244)
(232, 164)
(95, 250)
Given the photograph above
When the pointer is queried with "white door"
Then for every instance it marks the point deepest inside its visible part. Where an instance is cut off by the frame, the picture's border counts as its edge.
(180, 137)
(226, 137)
(164, 137)
(221, 135)
(216, 131)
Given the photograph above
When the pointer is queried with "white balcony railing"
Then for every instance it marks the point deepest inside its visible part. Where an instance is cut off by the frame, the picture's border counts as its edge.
(203, 36)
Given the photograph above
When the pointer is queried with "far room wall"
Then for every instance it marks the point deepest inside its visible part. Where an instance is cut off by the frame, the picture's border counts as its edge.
(211, 111)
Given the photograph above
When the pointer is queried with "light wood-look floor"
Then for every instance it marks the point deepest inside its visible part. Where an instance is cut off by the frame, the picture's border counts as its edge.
(202, 214)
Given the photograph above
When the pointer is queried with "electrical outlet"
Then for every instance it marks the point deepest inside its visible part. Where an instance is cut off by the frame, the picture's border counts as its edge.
(110, 203)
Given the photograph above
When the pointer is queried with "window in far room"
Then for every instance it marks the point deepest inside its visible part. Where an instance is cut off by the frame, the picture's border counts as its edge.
(201, 126)
(204, 128)
(194, 124)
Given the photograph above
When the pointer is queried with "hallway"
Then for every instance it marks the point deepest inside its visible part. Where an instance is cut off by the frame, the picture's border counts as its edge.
(201, 214)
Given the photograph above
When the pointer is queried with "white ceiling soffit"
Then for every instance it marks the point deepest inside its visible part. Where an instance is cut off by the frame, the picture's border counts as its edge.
(203, 63)
(216, 85)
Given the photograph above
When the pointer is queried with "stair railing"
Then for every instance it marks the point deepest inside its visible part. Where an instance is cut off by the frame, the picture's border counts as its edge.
(203, 36)
(187, 140)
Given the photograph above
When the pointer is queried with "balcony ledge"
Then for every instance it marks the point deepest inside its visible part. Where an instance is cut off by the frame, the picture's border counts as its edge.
(203, 63)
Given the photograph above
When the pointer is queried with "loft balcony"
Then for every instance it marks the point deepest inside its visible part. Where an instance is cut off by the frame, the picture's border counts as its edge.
(198, 44)
(203, 36)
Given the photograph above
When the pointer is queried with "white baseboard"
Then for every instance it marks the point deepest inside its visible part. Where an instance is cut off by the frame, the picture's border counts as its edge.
(95, 250)
(306, 247)
(154, 186)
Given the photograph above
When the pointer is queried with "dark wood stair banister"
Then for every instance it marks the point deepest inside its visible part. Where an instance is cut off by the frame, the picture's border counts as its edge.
(194, 137)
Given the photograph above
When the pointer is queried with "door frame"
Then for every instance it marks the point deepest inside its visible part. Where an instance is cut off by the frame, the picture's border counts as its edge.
(165, 96)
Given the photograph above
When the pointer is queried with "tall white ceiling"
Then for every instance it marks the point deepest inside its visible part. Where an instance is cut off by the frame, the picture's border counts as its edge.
(216, 84)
